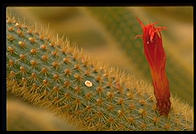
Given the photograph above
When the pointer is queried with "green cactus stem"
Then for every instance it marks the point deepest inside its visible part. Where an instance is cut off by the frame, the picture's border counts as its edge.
(49, 73)
(121, 23)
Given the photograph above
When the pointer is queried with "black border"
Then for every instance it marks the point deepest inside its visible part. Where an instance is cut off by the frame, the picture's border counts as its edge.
(19, 3)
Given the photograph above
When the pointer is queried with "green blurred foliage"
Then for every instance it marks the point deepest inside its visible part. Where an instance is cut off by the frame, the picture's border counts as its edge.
(67, 21)
(178, 13)
(123, 26)
(23, 117)
(81, 27)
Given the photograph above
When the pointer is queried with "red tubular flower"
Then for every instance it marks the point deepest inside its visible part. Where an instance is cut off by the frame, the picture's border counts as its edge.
(155, 55)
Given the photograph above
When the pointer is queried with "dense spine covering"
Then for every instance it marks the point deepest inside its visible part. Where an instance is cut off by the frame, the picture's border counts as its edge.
(52, 74)
(123, 26)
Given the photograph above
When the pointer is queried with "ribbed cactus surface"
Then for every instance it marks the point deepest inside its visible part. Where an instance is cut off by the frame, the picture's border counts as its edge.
(50, 73)
(123, 27)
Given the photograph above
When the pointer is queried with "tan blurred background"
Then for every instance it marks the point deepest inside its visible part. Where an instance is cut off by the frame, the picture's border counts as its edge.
(81, 28)
(76, 24)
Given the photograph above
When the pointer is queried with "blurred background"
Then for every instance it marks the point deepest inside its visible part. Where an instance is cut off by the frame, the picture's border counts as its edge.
(107, 33)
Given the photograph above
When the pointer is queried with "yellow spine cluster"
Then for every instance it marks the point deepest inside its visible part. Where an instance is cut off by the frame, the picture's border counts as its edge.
(54, 75)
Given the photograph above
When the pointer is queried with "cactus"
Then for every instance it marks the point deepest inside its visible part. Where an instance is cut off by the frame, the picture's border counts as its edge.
(50, 73)
(122, 25)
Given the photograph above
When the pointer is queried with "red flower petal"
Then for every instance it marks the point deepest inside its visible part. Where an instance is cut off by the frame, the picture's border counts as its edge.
(155, 55)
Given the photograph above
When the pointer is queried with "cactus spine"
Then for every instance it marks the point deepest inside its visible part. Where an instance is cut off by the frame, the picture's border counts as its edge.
(122, 25)
(52, 74)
